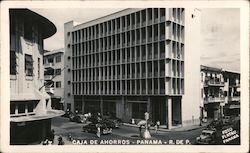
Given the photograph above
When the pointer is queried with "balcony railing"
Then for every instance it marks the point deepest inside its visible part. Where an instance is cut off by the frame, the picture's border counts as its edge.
(48, 77)
(215, 83)
(49, 90)
(235, 98)
(214, 99)
(47, 65)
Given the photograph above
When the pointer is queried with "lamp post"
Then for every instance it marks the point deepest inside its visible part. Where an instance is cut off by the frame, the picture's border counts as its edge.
(146, 133)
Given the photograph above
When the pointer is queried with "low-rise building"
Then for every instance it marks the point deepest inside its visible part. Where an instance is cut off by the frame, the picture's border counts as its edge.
(220, 92)
(232, 93)
(54, 77)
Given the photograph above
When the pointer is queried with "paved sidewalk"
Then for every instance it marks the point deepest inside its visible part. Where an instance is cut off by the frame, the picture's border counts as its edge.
(164, 129)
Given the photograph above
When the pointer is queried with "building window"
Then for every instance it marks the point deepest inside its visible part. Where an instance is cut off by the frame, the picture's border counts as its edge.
(58, 84)
(30, 107)
(12, 62)
(28, 65)
(50, 60)
(21, 108)
(38, 68)
(69, 82)
(28, 30)
(58, 71)
(58, 59)
(12, 108)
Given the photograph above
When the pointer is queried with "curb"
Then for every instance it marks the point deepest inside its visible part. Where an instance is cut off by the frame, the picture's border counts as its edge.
(167, 130)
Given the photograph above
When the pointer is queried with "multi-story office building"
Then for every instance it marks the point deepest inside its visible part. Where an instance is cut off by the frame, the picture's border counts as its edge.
(30, 110)
(220, 93)
(136, 61)
(54, 78)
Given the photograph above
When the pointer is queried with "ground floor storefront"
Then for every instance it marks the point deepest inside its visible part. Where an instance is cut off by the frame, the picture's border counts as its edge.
(57, 103)
(166, 109)
(213, 111)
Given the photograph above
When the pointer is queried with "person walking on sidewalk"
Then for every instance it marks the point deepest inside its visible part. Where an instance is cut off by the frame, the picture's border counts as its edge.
(140, 133)
(60, 141)
(51, 136)
(157, 125)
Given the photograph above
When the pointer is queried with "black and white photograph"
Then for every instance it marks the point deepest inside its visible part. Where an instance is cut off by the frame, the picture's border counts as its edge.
(102, 75)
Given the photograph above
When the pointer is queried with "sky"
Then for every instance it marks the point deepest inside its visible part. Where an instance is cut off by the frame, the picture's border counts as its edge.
(220, 32)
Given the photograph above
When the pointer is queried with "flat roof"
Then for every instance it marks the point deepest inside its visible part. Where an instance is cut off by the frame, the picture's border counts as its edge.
(57, 51)
(105, 18)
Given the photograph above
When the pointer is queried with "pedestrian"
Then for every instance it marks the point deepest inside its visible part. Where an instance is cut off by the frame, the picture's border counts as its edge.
(45, 142)
(60, 140)
(70, 137)
(140, 131)
(99, 117)
(98, 133)
(51, 136)
(157, 125)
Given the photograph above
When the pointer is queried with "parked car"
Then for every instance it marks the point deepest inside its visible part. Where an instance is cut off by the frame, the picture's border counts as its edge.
(92, 128)
(208, 136)
(216, 124)
(67, 114)
(78, 118)
(112, 121)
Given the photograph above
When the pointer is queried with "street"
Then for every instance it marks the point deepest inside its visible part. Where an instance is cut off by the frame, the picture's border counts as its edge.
(64, 127)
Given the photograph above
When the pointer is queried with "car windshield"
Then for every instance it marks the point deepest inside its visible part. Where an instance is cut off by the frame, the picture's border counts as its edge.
(205, 134)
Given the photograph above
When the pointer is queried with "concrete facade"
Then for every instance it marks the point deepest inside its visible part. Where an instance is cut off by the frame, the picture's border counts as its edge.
(30, 105)
(136, 61)
(53, 62)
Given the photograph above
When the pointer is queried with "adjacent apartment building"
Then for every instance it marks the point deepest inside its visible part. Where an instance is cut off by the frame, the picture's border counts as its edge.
(220, 93)
(30, 105)
(135, 61)
(53, 62)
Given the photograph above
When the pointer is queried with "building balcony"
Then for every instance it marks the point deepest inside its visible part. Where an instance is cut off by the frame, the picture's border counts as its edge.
(234, 98)
(215, 83)
(50, 90)
(214, 100)
(49, 65)
(48, 77)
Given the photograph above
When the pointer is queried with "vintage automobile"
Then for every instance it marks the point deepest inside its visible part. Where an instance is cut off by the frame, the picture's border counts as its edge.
(67, 114)
(78, 118)
(208, 136)
(92, 128)
(112, 121)
(216, 124)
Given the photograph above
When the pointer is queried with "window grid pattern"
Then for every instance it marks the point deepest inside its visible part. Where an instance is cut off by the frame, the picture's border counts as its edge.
(139, 53)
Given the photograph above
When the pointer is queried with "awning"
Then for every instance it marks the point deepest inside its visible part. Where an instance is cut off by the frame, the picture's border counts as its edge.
(234, 106)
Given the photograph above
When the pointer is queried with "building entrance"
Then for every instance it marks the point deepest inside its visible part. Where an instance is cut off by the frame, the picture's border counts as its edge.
(176, 111)
(138, 110)
(213, 111)
(109, 108)
(92, 107)
(158, 110)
